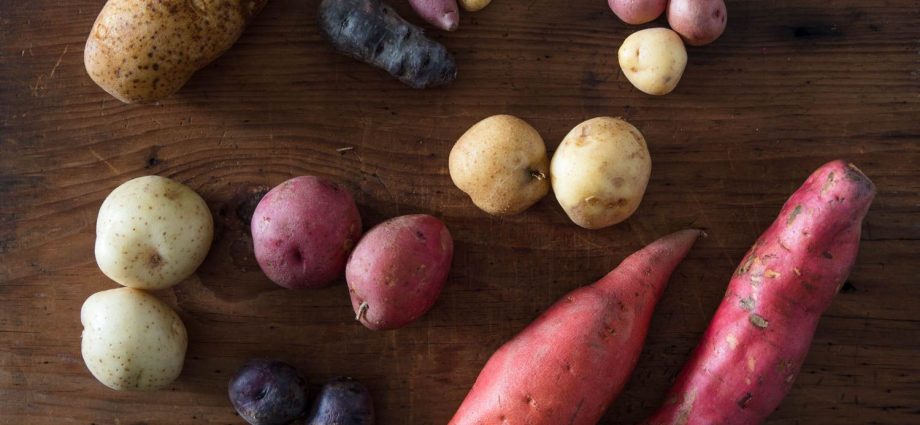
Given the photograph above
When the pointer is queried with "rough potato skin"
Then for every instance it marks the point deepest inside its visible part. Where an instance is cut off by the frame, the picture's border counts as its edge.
(699, 22)
(303, 231)
(268, 392)
(501, 163)
(131, 340)
(636, 12)
(752, 351)
(568, 365)
(600, 171)
(397, 271)
(342, 401)
(373, 32)
(145, 50)
(443, 14)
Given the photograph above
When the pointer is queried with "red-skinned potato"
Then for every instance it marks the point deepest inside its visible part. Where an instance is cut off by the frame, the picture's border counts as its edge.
(303, 231)
(699, 22)
(637, 12)
(396, 272)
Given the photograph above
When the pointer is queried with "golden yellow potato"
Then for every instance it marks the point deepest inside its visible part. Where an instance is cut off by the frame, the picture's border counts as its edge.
(600, 172)
(501, 163)
(132, 340)
(653, 60)
(145, 50)
(474, 5)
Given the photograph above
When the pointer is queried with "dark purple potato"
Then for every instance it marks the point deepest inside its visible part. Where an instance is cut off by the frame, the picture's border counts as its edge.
(342, 401)
(268, 392)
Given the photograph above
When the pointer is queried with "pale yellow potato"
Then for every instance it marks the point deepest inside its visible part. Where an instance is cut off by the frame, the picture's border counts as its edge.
(600, 172)
(653, 60)
(132, 340)
(501, 163)
(145, 50)
(474, 5)
(152, 232)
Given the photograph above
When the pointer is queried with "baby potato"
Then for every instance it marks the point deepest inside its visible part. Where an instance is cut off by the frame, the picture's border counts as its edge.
(474, 5)
(268, 392)
(653, 60)
(342, 401)
(699, 22)
(398, 269)
(303, 230)
(501, 163)
(600, 171)
(145, 50)
(132, 340)
(637, 12)
(152, 232)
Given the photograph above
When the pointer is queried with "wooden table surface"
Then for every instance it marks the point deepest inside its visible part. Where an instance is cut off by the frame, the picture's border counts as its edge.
(790, 86)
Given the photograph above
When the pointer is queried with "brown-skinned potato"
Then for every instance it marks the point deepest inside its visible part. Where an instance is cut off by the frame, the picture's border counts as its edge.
(144, 50)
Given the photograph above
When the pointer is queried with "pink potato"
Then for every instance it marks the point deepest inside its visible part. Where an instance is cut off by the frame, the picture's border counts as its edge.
(303, 231)
(699, 22)
(635, 12)
(398, 269)
(443, 14)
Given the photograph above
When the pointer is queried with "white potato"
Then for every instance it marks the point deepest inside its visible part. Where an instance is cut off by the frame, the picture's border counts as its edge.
(600, 171)
(501, 163)
(132, 340)
(653, 60)
(152, 233)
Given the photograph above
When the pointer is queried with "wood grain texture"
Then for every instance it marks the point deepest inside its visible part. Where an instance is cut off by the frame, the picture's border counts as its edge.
(791, 85)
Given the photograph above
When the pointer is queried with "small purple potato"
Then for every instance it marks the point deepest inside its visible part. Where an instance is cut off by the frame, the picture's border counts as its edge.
(268, 392)
(342, 401)
(398, 269)
(372, 32)
(699, 22)
(443, 14)
(303, 231)
(635, 12)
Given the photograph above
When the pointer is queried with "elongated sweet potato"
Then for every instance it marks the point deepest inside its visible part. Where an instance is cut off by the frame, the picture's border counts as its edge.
(570, 363)
(372, 32)
(759, 337)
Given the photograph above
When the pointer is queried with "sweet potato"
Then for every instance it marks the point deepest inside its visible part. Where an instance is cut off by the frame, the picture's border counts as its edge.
(372, 32)
(570, 363)
(758, 339)
(442, 14)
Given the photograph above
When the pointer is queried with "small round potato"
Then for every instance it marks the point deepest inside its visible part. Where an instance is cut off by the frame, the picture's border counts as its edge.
(501, 163)
(699, 22)
(635, 12)
(397, 271)
(653, 60)
(474, 5)
(132, 340)
(303, 230)
(600, 172)
(152, 232)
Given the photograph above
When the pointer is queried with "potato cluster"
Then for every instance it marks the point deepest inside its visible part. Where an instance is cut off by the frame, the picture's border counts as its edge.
(151, 233)
(307, 232)
(653, 59)
(599, 172)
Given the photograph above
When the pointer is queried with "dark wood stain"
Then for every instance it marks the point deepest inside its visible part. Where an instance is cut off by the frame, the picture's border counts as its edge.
(790, 86)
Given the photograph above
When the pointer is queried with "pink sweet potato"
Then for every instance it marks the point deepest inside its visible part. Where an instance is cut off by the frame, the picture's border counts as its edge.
(759, 337)
(570, 363)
